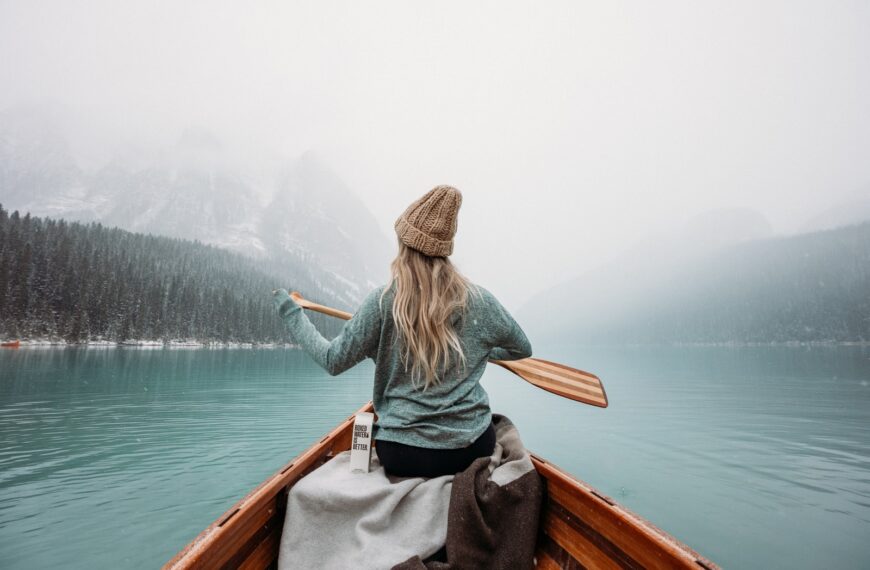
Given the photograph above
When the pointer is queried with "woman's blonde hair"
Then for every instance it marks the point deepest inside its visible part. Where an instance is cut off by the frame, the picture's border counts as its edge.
(429, 292)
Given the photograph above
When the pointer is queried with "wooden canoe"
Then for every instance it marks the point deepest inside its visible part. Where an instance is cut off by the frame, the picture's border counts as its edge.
(11, 344)
(580, 528)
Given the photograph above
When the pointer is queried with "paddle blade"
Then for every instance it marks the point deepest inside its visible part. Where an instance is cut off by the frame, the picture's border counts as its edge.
(559, 379)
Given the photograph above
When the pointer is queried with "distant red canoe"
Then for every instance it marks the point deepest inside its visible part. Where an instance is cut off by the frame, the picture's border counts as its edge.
(11, 344)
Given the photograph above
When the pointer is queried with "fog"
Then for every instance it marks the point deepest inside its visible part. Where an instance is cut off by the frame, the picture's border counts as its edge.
(574, 130)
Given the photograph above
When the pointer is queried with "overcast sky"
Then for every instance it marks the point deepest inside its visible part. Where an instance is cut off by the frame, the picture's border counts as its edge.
(573, 129)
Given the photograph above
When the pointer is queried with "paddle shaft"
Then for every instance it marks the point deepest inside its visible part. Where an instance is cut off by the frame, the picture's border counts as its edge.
(557, 378)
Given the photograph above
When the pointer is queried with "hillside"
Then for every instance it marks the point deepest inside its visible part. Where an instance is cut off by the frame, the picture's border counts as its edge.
(813, 287)
(84, 282)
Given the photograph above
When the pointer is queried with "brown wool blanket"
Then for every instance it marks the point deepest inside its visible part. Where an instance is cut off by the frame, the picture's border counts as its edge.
(483, 517)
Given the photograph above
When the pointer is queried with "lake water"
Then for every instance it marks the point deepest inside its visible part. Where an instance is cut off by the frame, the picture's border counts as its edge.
(116, 458)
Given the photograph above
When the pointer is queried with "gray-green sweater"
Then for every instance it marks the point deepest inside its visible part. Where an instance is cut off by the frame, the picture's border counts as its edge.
(449, 415)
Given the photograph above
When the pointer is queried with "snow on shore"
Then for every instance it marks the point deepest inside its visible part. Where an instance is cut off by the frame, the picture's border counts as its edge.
(177, 343)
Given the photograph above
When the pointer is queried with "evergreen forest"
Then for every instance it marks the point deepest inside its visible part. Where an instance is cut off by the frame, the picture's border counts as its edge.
(86, 282)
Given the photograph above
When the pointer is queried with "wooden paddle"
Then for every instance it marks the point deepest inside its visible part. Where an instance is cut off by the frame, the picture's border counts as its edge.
(556, 378)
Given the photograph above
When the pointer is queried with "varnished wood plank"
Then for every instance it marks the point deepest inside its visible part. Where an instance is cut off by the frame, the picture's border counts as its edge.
(243, 538)
(560, 557)
(266, 552)
(595, 539)
(577, 545)
(543, 561)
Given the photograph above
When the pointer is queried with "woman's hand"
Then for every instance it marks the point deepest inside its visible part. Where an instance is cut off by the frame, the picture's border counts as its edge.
(284, 303)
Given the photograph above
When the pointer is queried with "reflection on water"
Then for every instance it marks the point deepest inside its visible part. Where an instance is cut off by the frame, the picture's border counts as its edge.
(757, 457)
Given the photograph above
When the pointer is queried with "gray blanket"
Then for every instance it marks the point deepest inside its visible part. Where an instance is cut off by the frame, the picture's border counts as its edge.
(483, 517)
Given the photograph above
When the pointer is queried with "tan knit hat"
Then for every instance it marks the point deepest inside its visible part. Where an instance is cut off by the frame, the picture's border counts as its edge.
(429, 224)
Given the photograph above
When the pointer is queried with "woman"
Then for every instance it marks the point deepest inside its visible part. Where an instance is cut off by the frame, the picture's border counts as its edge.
(430, 332)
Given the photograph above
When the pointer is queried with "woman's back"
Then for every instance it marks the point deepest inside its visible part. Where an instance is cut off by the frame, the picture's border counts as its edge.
(453, 412)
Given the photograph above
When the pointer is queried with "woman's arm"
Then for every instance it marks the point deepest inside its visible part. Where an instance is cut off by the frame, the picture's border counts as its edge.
(510, 342)
(357, 340)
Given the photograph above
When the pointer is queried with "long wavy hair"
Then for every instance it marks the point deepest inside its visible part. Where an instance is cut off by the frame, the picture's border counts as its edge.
(430, 291)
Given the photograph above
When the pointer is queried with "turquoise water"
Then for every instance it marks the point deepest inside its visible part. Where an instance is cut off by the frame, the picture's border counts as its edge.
(756, 457)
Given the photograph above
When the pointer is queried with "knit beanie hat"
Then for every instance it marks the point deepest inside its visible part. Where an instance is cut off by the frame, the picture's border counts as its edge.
(429, 224)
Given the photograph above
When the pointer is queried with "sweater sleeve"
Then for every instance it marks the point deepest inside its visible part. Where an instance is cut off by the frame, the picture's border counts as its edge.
(357, 340)
(509, 339)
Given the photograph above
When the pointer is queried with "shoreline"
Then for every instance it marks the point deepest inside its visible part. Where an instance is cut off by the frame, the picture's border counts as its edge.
(150, 344)
(178, 343)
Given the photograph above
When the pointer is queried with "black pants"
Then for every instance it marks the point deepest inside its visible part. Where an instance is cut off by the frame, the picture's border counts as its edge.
(410, 461)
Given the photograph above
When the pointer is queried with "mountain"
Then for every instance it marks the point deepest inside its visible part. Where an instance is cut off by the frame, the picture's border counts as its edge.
(315, 215)
(809, 287)
(314, 227)
(193, 193)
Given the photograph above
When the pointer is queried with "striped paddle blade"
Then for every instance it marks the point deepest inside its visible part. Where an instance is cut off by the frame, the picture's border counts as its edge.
(559, 379)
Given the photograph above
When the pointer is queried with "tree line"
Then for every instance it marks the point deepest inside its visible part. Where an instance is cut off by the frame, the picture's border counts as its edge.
(86, 282)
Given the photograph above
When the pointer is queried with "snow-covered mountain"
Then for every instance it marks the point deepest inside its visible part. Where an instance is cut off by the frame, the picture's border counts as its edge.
(193, 193)
(315, 214)
(315, 224)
